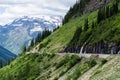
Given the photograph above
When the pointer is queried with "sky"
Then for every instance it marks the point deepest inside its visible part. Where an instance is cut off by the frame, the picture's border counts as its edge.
(12, 9)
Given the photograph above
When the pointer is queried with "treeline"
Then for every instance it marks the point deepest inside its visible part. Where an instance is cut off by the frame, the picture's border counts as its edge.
(108, 11)
(76, 10)
(37, 40)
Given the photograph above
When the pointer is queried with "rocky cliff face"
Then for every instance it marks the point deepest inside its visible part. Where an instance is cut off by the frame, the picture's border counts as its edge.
(94, 5)
(103, 47)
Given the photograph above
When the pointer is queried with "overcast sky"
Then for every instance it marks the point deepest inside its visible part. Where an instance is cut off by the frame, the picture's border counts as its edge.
(12, 9)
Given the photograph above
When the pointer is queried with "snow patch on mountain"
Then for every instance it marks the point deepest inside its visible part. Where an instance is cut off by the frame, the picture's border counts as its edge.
(22, 30)
(38, 28)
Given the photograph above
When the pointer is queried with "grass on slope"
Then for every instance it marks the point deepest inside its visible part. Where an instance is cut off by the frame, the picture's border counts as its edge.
(60, 38)
(108, 30)
(109, 71)
(47, 67)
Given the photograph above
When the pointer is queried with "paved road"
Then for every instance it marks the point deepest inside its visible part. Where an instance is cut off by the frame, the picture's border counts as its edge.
(87, 55)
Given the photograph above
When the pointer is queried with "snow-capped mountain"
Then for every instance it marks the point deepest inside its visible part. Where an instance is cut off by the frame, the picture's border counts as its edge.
(21, 30)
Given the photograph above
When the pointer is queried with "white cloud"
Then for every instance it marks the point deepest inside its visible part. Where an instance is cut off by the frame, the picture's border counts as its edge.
(33, 8)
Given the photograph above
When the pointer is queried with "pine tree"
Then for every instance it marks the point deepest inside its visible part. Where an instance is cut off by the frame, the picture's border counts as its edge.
(1, 64)
(38, 38)
(24, 49)
(99, 16)
(86, 25)
(76, 10)
(93, 24)
(107, 12)
(116, 6)
(103, 13)
(32, 43)
(45, 34)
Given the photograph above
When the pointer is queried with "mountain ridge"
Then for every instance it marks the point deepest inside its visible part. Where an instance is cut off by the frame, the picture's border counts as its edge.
(28, 27)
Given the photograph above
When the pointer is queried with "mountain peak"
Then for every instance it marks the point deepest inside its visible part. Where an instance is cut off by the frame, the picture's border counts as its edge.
(28, 27)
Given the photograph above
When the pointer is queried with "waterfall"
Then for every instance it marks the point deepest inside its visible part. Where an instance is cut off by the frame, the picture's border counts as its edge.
(119, 52)
(81, 50)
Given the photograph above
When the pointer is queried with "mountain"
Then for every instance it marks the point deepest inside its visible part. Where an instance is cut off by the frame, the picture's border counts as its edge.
(21, 30)
(81, 49)
(6, 55)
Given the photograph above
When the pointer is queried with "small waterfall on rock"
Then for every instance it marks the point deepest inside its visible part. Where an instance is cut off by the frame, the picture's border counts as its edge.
(81, 50)
(118, 52)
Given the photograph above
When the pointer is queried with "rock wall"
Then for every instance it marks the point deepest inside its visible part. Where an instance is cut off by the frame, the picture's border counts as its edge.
(94, 5)
(103, 47)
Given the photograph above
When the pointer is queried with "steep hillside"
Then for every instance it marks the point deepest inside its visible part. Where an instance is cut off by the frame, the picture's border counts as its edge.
(61, 67)
(106, 33)
(82, 7)
(48, 66)
(6, 56)
(48, 59)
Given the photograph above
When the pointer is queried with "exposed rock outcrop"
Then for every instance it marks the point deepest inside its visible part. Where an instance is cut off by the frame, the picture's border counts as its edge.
(94, 5)
(103, 47)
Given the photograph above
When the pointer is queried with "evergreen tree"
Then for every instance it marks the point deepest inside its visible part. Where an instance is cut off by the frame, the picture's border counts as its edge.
(56, 28)
(86, 25)
(116, 6)
(76, 10)
(103, 13)
(107, 12)
(32, 43)
(38, 38)
(1, 64)
(24, 49)
(45, 33)
(93, 24)
(99, 16)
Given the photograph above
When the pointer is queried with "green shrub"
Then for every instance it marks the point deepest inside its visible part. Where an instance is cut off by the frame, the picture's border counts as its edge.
(92, 63)
(62, 62)
(78, 73)
(97, 72)
(75, 75)
(103, 61)
(74, 60)
(56, 78)
(62, 73)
